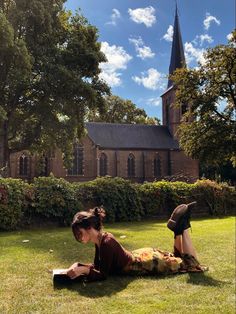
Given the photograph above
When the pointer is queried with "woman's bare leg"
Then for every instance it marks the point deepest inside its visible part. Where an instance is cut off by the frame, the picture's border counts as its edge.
(178, 245)
(188, 244)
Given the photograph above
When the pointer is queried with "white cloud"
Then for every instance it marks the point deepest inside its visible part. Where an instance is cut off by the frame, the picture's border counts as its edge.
(200, 39)
(143, 15)
(143, 51)
(117, 59)
(114, 17)
(229, 36)
(209, 19)
(154, 101)
(205, 37)
(193, 53)
(169, 34)
(152, 79)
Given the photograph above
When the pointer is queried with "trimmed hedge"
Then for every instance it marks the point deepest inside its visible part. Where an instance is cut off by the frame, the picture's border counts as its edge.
(55, 199)
(119, 197)
(49, 199)
(14, 202)
(160, 198)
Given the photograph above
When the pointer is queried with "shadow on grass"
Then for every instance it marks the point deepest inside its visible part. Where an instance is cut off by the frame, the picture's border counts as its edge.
(204, 280)
(98, 289)
(116, 284)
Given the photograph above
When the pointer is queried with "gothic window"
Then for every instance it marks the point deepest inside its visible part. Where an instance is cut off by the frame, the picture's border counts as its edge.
(157, 166)
(131, 166)
(23, 165)
(77, 166)
(103, 165)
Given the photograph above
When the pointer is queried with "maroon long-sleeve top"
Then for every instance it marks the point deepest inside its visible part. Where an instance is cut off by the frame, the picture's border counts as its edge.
(110, 258)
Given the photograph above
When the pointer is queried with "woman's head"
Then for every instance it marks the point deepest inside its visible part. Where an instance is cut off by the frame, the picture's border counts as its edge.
(87, 220)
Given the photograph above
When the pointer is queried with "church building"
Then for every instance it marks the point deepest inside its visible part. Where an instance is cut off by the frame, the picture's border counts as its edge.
(131, 151)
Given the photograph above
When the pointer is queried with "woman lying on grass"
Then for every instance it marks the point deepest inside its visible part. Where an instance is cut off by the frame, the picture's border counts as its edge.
(112, 259)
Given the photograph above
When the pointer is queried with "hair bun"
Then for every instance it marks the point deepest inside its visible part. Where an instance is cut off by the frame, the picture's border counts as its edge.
(98, 212)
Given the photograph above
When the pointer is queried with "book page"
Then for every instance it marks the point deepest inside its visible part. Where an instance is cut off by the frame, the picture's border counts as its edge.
(59, 271)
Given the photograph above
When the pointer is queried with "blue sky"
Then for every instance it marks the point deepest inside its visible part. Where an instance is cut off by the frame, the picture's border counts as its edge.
(136, 38)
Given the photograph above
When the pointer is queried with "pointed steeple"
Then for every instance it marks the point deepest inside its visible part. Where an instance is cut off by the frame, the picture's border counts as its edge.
(177, 52)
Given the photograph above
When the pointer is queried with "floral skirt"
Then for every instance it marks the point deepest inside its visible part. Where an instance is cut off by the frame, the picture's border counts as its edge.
(148, 261)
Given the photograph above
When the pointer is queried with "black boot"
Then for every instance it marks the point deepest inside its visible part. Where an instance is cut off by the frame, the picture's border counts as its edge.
(180, 218)
(186, 219)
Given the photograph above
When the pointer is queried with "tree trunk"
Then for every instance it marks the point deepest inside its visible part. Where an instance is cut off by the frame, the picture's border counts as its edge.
(5, 167)
(1, 147)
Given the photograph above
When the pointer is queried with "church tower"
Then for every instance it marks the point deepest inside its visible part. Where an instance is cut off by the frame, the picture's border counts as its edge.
(171, 115)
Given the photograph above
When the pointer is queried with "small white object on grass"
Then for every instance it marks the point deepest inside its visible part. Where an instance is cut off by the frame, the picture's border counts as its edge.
(25, 241)
(123, 236)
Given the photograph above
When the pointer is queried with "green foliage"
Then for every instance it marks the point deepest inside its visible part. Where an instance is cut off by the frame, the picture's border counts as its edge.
(118, 110)
(52, 200)
(219, 198)
(119, 197)
(209, 91)
(55, 199)
(14, 202)
(49, 75)
(224, 173)
(160, 198)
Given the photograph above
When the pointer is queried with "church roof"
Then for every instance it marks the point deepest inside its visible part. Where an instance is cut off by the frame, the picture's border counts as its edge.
(130, 136)
(177, 60)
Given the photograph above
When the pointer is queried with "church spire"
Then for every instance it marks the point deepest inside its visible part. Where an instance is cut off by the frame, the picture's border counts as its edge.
(177, 52)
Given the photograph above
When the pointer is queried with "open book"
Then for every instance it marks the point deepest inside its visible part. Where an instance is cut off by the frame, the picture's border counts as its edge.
(59, 276)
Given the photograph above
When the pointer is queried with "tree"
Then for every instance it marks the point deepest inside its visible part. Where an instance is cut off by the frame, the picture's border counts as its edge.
(209, 91)
(118, 110)
(49, 67)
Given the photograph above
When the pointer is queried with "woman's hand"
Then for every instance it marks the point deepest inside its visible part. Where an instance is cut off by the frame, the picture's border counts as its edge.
(76, 271)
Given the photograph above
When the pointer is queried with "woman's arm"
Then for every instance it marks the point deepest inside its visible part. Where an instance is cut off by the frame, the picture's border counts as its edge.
(77, 270)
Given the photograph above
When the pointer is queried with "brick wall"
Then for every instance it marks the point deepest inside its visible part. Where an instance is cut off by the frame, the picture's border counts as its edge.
(116, 163)
(181, 164)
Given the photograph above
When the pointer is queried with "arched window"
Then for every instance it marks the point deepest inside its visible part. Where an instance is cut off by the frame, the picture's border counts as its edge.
(103, 165)
(131, 166)
(77, 166)
(23, 165)
(157, 166)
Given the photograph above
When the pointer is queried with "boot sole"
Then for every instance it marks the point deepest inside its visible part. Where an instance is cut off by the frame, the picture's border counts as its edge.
(175, 217)
(178, 214)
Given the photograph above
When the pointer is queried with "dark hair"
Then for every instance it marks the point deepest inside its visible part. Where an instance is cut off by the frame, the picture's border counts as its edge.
(88, 219)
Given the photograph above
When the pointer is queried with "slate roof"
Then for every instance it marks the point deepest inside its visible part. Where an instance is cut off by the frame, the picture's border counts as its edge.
(132, 136)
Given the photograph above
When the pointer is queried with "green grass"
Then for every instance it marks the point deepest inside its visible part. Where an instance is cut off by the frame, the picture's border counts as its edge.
(26, 285)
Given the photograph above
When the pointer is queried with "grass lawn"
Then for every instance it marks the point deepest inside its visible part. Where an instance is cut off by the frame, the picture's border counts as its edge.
(26, 285)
